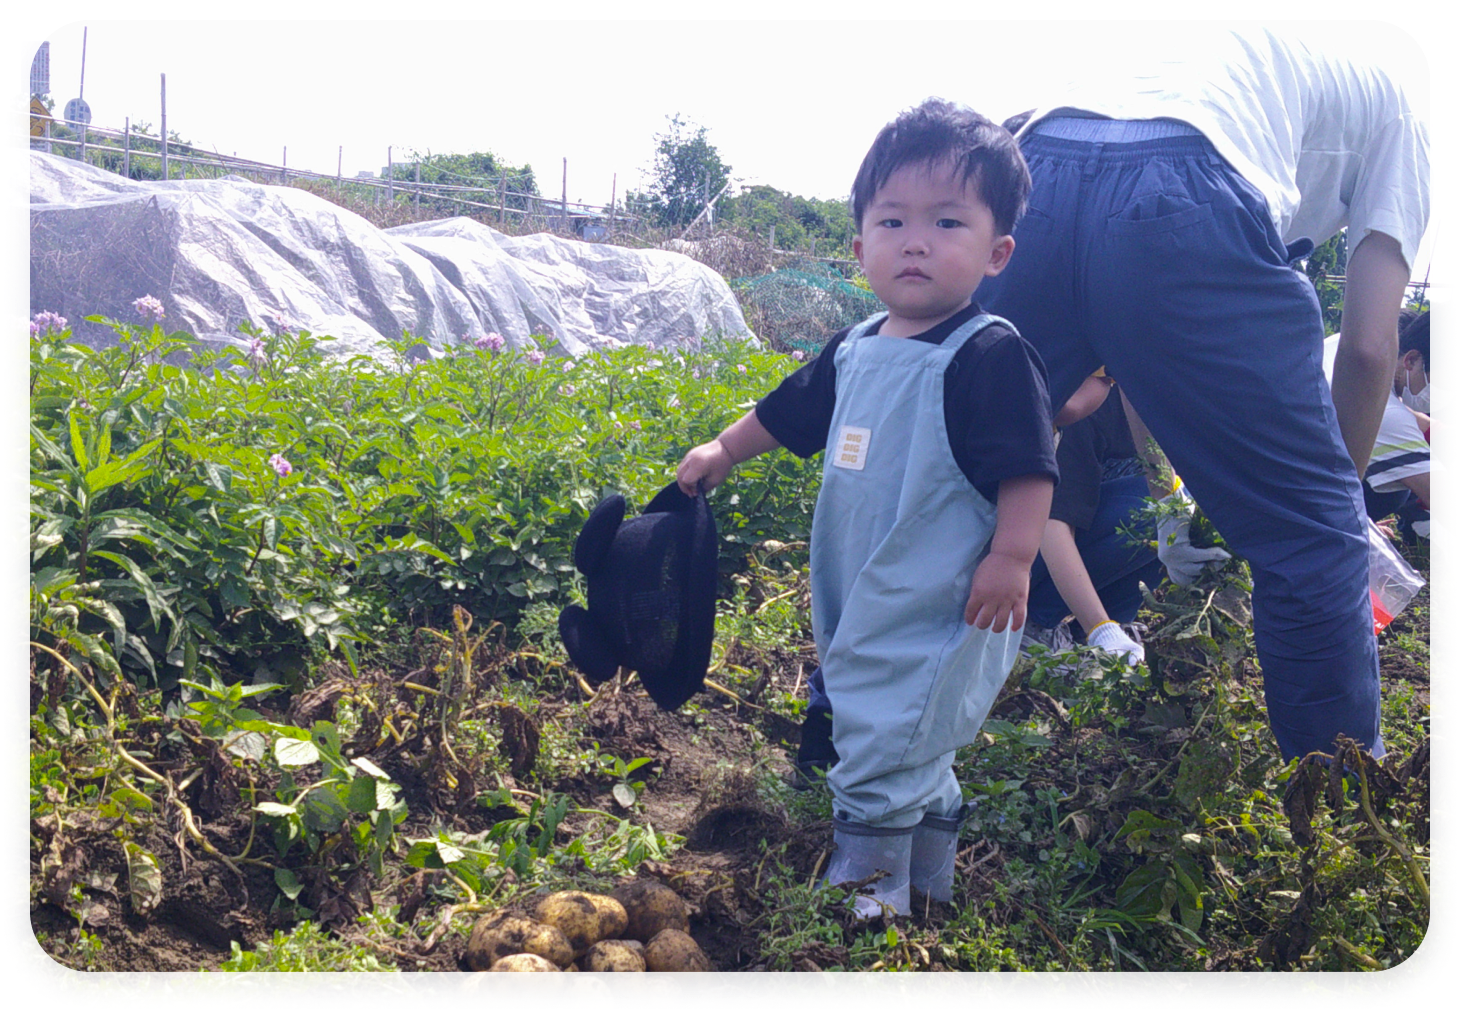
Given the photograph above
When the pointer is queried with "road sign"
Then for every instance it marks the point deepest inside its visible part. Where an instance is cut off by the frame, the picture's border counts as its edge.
(78, 112)
(40, 71)
(39, 114)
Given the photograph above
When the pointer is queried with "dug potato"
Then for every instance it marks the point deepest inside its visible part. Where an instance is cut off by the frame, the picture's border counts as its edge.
(523, 977)
(674, 951)
(587, 990)
(613, 955)
(652, 907)
(583, 918)
(665, 990)
(503, 934)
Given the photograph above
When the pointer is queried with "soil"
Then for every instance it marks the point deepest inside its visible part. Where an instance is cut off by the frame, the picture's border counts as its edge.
(694, 792)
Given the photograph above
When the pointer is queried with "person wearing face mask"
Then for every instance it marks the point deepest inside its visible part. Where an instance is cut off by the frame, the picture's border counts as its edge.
(1397, 479)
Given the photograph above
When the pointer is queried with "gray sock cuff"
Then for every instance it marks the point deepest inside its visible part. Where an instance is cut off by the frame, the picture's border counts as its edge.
(948, 823)
(851, 828)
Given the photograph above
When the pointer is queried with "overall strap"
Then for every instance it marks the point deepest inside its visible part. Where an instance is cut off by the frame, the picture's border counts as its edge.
(956, 339)
(861, 329)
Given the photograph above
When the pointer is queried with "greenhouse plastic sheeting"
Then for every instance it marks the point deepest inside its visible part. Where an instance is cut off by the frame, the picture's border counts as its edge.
(223, 252)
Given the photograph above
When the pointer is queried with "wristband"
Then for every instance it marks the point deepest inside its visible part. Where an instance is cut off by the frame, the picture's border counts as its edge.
(1437, 428)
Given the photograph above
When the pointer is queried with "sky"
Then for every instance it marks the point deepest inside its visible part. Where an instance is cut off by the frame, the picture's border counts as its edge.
(789, 98)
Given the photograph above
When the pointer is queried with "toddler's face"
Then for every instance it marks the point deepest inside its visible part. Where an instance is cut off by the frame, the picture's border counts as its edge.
(927, 241)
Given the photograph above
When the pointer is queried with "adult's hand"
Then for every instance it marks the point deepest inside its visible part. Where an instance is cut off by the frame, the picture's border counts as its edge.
(1183, 560)
(1368, 342)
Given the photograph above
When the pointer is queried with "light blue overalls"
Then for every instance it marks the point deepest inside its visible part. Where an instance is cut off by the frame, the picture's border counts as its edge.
(897, 534)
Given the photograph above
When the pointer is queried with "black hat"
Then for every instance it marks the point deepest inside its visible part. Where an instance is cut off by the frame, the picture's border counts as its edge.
(651, 595)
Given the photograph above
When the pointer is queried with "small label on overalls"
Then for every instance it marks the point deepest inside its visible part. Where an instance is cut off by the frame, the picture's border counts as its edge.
(850, 449)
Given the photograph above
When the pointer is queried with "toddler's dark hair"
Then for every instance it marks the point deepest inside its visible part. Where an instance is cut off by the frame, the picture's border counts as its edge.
(1430, 335)
(940, 130)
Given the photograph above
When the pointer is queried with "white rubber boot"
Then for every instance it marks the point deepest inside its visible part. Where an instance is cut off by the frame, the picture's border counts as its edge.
(934, 848)
(862, 851)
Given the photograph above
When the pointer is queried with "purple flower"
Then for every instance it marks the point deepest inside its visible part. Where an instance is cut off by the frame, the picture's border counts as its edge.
(256, 354)
(568, 365)
(490, 342)
(740, 369)
(567, 390)
(24, 324)
(798, 355)
(47, 320)
(281, 466)
(280, 325)
(535, 357)
(148, 307)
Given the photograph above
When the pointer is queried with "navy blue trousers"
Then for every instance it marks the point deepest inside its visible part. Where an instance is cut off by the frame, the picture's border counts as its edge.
(1116, 566)
(1156, 260)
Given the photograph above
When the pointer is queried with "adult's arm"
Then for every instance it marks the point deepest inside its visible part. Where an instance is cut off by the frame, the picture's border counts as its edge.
(1368, 341)
(1435, 494)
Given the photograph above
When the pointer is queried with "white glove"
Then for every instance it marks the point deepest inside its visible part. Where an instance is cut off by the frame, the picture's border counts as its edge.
(1111, 638)
(1440, 536)
(1183, 560)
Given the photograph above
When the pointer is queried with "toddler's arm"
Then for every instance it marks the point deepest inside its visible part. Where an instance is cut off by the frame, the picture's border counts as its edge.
(1000, 592)
(711, 462)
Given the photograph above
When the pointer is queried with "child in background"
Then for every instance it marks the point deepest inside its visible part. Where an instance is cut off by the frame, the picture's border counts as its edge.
(938, 471)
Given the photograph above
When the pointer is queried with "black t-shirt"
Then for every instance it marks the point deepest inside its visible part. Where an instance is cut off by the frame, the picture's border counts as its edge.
(1085, 447)
(995, 404)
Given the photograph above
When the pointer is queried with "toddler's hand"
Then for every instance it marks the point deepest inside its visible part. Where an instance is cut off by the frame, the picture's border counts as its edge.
(709, 463)
(999, 595)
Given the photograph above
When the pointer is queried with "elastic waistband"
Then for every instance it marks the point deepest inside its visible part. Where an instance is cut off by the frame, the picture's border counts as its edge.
(1112, 131)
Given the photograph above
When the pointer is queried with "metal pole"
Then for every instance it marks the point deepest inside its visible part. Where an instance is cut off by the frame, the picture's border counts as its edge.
(418, 185)
(81, 95)
(284, 169)
(389, 176)
(502, 197)
(612, 201)
(164, 126)
(339, 164)
(127, 147)
(565, 195)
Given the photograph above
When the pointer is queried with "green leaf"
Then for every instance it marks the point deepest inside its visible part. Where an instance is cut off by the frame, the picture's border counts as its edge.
(327, 740)
(360, 798)
(423, 854)
(132, 799)
(288, 883)
(218, 476)
(293, 752)
(156, 607)
(144, 879)
(274, 808)
(322, 810)
(78, 445)
(370, 767)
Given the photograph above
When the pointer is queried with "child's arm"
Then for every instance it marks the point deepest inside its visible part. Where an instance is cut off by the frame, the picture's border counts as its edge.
(1000, 592)
(1071, 578)
(711, 462)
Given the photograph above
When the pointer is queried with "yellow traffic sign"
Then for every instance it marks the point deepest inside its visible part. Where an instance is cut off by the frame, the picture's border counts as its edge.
(38, 116)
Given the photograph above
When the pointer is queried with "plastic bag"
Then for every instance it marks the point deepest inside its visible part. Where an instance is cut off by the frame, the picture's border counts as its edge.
(1392, 581)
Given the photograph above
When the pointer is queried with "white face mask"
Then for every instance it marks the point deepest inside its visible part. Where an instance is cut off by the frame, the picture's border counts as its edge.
(1418, 401)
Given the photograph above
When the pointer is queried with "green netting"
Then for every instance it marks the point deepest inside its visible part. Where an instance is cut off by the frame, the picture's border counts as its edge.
(801, 306)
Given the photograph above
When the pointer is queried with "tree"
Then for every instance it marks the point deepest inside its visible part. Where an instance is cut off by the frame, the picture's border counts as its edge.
(687, 174)
(1328, 260)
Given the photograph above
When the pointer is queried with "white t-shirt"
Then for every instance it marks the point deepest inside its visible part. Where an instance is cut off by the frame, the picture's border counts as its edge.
(1400, 450)
(1329, 141)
